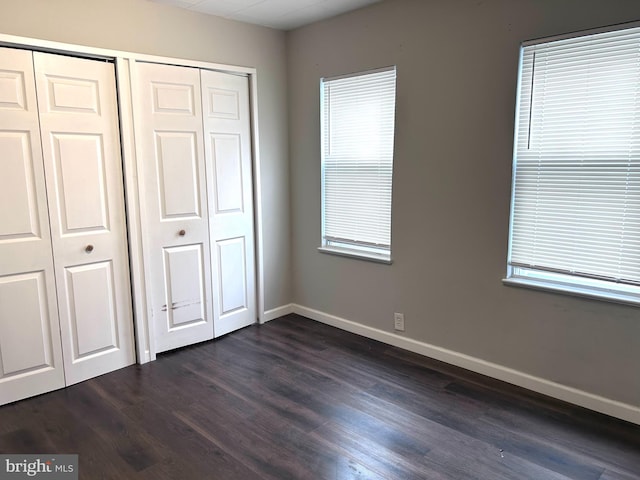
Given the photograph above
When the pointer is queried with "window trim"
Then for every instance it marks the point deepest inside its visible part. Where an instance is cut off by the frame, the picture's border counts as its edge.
(581, 33)
(338, 247)
(571, 285)
(357, 254)
(551, 281)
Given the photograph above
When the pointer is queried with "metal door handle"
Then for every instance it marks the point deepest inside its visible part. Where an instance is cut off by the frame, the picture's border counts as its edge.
(88, 248)
(182, 233)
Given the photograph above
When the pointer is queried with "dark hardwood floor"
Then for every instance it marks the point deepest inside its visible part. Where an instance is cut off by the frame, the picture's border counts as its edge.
(295, 399)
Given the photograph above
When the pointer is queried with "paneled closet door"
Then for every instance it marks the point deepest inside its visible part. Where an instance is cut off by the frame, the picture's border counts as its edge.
(174, 204)
(81, 149)
(227, 128)
(30, 351)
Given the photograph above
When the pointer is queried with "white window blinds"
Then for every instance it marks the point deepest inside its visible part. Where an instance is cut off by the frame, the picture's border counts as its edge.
(576, 194)
(358, 115)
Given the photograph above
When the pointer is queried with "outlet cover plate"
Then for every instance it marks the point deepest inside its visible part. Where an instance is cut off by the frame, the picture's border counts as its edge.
(398, 320)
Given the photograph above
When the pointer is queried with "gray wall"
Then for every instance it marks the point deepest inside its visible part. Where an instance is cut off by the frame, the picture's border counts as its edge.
(144, 27)
(457, 69)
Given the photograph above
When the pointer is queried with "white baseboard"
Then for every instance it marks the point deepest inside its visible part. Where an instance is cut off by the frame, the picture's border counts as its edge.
(277, 312)
(588, 400)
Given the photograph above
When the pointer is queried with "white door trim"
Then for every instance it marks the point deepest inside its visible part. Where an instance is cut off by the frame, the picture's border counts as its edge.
(144, 341)
(145, 347)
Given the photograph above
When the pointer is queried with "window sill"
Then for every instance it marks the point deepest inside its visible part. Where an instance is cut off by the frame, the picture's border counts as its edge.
(343, 252)
(593, 293)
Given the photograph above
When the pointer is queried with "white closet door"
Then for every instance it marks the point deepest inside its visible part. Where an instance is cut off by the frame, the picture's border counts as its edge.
(174, 198)
(30, 353)
(227, 130)
(81, 148)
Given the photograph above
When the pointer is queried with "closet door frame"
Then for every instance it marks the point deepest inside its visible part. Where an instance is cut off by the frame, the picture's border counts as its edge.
(126, 81)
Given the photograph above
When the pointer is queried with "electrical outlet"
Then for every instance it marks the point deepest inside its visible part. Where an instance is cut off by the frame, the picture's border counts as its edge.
(398, 319)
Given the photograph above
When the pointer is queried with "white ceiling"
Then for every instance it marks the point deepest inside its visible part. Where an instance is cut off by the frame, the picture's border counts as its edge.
(280, 14)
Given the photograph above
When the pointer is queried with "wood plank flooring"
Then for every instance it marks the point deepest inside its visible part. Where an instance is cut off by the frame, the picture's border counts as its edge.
(295, 399)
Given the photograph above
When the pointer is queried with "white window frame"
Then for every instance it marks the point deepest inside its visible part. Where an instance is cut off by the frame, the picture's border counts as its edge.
(531, 276)
(350, 247)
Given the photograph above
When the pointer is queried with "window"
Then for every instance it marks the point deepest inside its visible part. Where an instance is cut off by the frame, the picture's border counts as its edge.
(575, 213)
(357, 113)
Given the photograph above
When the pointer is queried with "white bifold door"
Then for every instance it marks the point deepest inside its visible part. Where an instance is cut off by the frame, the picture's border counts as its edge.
(30, 348)
(81, 149)
(227, 142)
(65, 306)
(194, 148)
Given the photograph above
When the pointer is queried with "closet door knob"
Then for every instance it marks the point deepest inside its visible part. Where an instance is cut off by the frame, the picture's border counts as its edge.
(89, 248)
(182, 233)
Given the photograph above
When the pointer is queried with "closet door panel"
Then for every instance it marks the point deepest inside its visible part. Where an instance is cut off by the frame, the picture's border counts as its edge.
(178, 175)
(93, 311)
(17, 187)
(227, 129)
(232, 278)
(81, 191)
(226, 157)
(30, 356)
(30, 349)
(81, 148)
(174, 200)
(185, 275)
(23, 297)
